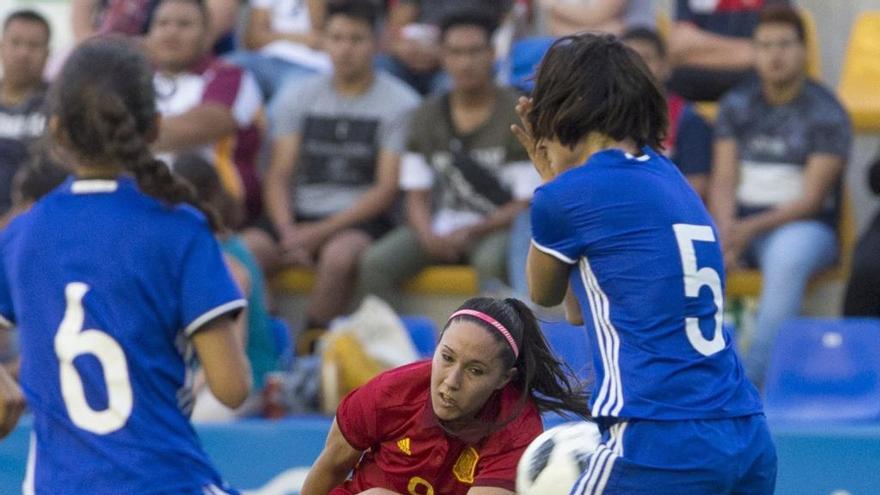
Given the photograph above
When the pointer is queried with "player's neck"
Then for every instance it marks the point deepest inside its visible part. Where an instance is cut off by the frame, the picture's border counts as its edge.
(84, 170)
(354, 86)
(595, 143)
(780, 94)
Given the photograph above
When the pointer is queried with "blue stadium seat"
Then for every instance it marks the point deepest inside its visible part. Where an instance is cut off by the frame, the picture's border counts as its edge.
(570, 343)
(825, 371)
(423, 332)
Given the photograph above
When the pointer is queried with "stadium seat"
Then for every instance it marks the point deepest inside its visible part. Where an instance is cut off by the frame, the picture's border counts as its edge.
(423, 333)
(570, 343)
(825, 371)
(446, 279)
(747, 283)
(861, 73)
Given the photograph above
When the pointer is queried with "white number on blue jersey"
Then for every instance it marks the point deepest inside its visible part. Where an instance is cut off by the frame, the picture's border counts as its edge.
(72, 341)
(694, 279)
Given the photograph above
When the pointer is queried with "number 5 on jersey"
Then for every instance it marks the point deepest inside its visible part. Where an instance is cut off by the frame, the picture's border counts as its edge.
(72, 341)
(694, 279)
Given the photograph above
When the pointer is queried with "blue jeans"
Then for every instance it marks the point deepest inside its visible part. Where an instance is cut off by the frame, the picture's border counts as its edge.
(518, 253)
(270, 72)
(787, 256)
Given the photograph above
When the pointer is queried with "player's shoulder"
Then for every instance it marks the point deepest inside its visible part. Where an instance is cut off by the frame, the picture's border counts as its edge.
(403, 384)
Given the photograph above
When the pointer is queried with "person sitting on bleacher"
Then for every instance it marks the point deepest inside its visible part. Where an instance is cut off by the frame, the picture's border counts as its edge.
(206, 104)
(710, 46)
(337, 140)
(24, 48)
(283, 39)
(781, 144)
(464, 174)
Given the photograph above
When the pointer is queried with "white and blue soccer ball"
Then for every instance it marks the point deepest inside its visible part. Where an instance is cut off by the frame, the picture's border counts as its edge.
(554, 460)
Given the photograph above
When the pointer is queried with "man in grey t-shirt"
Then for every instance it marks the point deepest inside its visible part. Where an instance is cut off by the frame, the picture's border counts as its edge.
(780, 148)
(334, 166)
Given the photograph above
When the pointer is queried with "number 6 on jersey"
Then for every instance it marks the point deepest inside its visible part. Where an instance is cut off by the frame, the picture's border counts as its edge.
(72, 341)
(694, 279)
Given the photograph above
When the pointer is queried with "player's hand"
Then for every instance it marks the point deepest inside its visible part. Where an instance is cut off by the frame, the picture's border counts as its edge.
(525, 136)
(11, 403)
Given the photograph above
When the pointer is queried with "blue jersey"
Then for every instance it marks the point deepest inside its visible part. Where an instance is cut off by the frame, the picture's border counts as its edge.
(648, 272)
(106, 286)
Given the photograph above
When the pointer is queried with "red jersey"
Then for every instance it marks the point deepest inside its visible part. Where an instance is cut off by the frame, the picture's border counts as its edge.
(408, 451)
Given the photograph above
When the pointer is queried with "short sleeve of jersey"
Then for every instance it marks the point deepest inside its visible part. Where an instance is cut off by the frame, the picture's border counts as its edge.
(7, 314)
(357, 416)
(498, 463)
(207, 290)
(551, 232)
(693, 143)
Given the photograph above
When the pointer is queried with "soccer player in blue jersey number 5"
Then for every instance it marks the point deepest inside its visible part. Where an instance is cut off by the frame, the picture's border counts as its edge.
(619, 235)
(115, 285)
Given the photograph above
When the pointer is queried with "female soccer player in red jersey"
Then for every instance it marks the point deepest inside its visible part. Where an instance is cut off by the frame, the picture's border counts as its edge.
(455, 425)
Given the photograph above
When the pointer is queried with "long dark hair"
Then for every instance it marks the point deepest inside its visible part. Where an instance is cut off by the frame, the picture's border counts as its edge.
(540, 375)
(594, 83)
(106, 109)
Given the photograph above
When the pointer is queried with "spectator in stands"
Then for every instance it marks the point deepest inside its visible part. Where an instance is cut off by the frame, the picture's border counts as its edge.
(132, 18)
(413, 54)
(255, 321)
(283, 39)
(564, 17)
(333, 172)
(206, 104)
(464, 174)
(710, 46)
(689, 138)
(24, 48)
(863, 290)
(781, 144)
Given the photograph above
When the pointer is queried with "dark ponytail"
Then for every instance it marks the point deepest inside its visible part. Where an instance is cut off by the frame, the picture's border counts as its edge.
(105, 105)
(542, 377)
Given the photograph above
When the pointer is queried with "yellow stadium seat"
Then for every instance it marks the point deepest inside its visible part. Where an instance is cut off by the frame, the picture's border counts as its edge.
(860, 79)
(747, 283)
(433, 280)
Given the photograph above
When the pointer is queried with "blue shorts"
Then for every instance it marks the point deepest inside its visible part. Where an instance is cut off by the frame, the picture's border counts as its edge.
(718, 456)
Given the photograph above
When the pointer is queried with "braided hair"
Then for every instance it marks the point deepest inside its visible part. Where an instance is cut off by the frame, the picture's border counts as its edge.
(105, 107)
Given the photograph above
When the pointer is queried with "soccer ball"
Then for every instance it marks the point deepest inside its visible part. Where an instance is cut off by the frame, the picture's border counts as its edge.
(554, 460)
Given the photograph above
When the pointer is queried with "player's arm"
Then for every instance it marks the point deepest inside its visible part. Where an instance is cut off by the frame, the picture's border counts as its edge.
(690, 45)
(547, 277)
(221, 354)
(572, 308)
(376, 200)
(11, 403)
(821, 174)
(333, 465)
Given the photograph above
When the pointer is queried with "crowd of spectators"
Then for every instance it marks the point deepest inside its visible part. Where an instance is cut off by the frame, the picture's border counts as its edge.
(368, 139)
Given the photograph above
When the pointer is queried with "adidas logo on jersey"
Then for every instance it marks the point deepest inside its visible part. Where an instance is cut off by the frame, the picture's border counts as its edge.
(403, 445)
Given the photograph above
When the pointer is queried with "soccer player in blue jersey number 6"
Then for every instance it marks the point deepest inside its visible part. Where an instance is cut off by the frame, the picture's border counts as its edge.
(618, 228)
(115, 285)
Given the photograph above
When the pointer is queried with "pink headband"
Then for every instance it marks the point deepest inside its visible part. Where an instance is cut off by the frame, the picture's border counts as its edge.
(492, 321)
